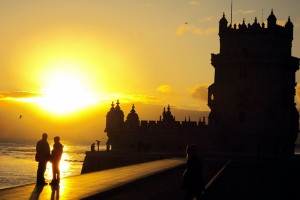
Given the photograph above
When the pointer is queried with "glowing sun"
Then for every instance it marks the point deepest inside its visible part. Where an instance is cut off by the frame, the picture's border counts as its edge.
(66, 93)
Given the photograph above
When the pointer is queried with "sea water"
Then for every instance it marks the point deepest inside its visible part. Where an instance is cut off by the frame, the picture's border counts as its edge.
(18, 165)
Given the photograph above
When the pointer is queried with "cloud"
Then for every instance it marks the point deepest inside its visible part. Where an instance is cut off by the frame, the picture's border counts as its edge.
(165, 89)
(194, 2)
(206, 19)
(19, 94)
(183, 29)
(130, 98)
(247, 12)
(199, 92)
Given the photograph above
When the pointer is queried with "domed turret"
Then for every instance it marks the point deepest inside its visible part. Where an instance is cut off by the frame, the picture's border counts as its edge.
(223, 24)
(132, 119)
(118, 110)
(112, 109)
(118, 115)
(244, 26)
(109, 117)
(167, 115)
(272, 20)
(164, 113)
(289, 27)
(114, 117)
(289, 24)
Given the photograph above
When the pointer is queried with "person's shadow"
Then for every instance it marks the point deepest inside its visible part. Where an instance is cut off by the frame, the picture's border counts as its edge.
(55, 192)
(36, 192)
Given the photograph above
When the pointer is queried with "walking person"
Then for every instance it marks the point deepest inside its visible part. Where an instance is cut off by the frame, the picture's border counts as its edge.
(55, 159)
(192, 176)
(93, 147)
(42, 156)
(108, 145)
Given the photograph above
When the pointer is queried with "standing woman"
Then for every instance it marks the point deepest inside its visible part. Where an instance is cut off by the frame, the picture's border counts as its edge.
(55, 159)
(192, 176)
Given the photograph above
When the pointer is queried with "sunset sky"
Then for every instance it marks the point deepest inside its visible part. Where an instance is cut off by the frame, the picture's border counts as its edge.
(62, 60)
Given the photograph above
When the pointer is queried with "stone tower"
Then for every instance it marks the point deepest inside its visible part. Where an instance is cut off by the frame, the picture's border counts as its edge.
(252, 98)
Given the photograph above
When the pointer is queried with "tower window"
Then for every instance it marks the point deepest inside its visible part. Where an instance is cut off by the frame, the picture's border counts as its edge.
(212, 97)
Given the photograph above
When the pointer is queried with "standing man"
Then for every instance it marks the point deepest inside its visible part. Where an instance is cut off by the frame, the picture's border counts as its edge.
(192, 176)
(55, 159)
(107, 145)
(42, 156)
(98, 144)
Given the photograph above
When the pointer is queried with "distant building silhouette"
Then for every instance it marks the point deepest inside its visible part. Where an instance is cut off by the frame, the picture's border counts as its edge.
(251, 100)
(166, 134)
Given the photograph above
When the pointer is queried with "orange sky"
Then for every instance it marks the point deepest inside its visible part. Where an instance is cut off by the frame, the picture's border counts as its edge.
(61, 58)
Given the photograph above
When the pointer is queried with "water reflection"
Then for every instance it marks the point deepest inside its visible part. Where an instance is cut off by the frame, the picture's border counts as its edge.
(64, 166)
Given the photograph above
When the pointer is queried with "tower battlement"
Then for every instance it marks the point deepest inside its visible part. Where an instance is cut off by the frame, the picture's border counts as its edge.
(253, 39)
(271, 27)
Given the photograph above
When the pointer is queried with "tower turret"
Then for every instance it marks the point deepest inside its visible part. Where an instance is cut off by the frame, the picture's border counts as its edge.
(167, 115)
(110, 118)
(132, 121)
(272, 20)
(290, 28)
(223, 24)
(114, 118)
(118, 116)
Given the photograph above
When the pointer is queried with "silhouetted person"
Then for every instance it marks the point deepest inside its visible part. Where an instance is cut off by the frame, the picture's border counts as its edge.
(98, 144)
(57, 152)
(93, 147)
(107, 145)
(42, 156)
(192, 176)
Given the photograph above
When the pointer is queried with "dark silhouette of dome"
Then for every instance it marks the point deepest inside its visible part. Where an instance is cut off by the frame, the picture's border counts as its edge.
(132, 116)
(223, 20)
(112, 109)
(289, 24)
(272, 20)
(167, 115)
(118, 111)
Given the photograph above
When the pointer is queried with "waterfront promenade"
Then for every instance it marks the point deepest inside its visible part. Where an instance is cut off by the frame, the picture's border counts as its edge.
(225, 176)
(151, 180)
(87, 185)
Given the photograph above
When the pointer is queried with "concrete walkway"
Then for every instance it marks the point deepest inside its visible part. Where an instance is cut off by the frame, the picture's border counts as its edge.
(88, 185)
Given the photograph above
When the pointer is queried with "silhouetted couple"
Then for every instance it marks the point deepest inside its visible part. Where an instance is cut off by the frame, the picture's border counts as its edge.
(43, 155)
(192, 176)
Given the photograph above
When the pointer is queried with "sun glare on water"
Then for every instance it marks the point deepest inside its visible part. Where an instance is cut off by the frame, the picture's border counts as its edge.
(66, 93)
